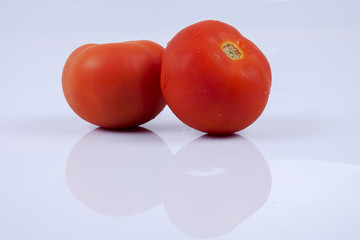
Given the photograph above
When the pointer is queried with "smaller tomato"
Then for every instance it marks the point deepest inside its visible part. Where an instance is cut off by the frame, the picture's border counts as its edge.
(115, 85)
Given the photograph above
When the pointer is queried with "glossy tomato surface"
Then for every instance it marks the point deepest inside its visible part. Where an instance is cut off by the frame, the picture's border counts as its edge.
(115, 85)
(214, 79)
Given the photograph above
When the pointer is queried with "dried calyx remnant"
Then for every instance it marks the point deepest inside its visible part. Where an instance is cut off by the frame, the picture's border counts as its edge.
(231, 51)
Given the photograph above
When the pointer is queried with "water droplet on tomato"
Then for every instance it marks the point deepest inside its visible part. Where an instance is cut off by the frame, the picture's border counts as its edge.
(265, 92)
(200, 51)
(200, 32)
(180, 67)
(252, 66)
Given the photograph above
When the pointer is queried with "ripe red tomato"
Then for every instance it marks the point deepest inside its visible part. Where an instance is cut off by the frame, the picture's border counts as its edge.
(115, 85)
(214, 79)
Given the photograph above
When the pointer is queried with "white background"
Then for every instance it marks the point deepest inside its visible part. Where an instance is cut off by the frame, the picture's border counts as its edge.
(293, 174)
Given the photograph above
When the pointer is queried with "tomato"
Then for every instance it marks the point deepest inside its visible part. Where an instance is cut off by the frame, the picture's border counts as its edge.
(115, 85)
(214, 79)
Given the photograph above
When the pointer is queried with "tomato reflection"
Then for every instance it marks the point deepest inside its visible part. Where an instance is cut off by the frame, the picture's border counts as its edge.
(118, 173)
(213, 184)
(208, 188)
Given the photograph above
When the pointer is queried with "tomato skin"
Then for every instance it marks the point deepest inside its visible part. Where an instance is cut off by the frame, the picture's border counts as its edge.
(115, 85)
(207, 89)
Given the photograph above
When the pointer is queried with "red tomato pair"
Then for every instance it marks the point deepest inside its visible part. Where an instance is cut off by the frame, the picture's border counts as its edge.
(212, 78)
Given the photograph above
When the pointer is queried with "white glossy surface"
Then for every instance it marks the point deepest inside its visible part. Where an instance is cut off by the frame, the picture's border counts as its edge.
(293, 174)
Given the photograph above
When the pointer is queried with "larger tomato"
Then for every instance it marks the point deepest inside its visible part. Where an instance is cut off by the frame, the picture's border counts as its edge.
(115, 85)
(214, 79)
